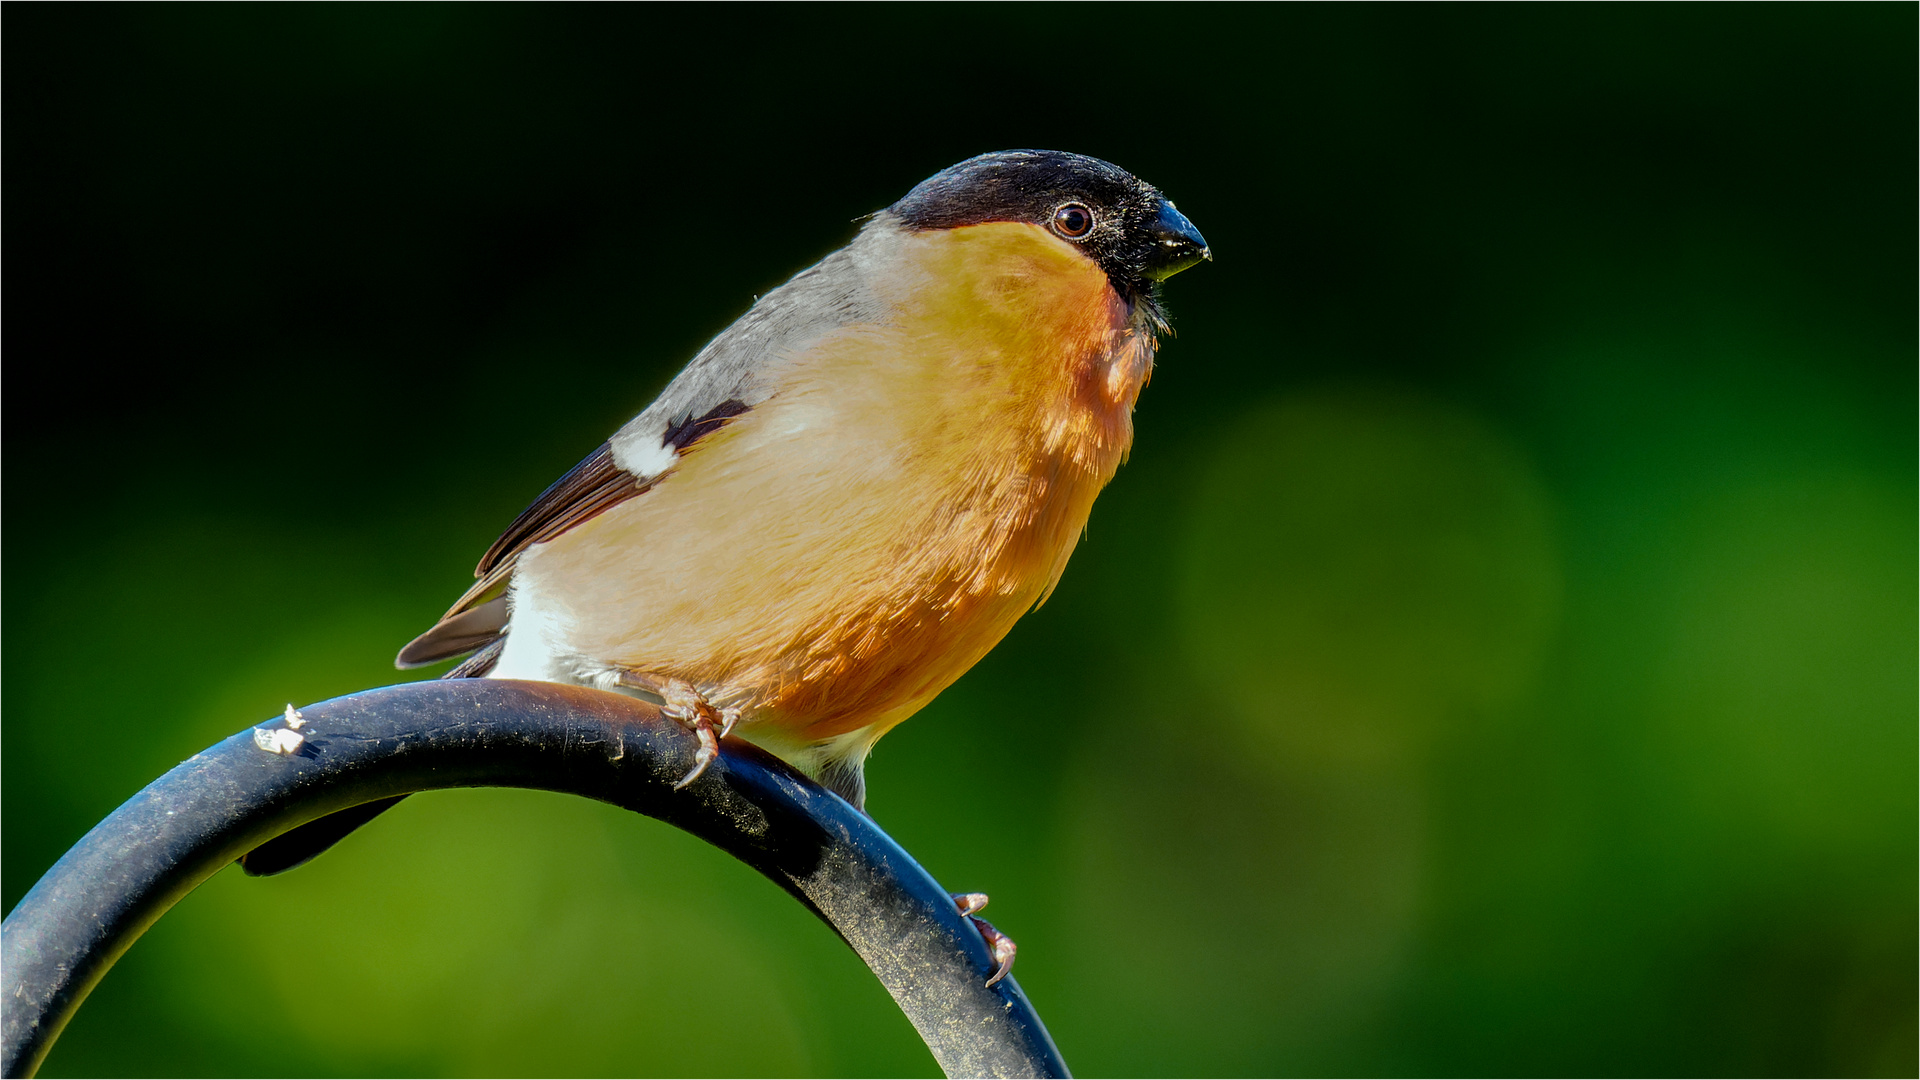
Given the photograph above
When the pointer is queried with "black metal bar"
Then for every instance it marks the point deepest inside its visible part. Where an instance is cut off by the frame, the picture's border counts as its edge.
(217, 805)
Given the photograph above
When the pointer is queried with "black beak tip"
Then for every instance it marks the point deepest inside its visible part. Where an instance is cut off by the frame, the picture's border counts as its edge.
(1177, 245)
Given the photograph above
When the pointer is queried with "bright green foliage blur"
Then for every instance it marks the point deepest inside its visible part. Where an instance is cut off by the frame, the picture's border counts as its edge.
(1497, 658)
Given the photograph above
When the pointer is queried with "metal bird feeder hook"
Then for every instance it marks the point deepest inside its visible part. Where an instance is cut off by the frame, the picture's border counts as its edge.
(362, 749)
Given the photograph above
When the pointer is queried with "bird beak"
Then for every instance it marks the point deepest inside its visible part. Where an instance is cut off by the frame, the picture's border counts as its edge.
(1176, 244)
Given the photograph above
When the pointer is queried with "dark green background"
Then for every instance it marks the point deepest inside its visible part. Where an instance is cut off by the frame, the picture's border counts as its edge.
(1498, 657)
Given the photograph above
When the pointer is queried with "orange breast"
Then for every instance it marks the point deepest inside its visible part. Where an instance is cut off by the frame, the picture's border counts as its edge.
(836, 557)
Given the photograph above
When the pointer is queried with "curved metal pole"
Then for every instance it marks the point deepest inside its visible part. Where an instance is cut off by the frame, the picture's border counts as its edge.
(226, 800)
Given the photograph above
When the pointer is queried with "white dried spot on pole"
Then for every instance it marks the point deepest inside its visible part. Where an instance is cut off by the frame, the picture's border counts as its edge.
(278, 740)
(294, 720)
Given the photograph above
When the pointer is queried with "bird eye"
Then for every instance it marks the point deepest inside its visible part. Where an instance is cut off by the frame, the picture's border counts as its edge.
(1073, 221)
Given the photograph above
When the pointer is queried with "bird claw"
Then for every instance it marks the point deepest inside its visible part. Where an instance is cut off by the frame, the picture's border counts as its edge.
(689, 707)
(703, 757)
(998, 944)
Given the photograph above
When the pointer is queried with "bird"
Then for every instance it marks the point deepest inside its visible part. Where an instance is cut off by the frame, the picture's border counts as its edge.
(851, 494)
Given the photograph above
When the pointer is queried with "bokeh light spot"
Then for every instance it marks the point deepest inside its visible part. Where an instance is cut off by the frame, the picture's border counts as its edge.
(1364, 569)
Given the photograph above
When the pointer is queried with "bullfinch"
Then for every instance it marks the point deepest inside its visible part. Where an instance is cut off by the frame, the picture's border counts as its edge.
(853, 492)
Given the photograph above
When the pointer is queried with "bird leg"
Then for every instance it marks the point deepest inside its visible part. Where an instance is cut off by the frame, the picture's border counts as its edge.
(681, 702)
(999, 944)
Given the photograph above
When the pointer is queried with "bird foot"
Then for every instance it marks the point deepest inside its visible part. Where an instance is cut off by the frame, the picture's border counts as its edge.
(998, 944)
(681, 702)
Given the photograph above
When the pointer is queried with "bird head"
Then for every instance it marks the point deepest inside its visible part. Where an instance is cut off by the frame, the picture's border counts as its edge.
(1119, 221)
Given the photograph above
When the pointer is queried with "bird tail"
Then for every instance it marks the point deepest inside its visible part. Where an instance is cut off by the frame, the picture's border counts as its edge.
(481, 662)
(477, 620)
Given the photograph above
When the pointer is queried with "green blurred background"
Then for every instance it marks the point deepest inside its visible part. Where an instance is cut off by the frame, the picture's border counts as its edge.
(1498, 656)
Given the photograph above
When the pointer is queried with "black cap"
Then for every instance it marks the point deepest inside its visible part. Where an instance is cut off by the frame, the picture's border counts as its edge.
(1129, 228)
